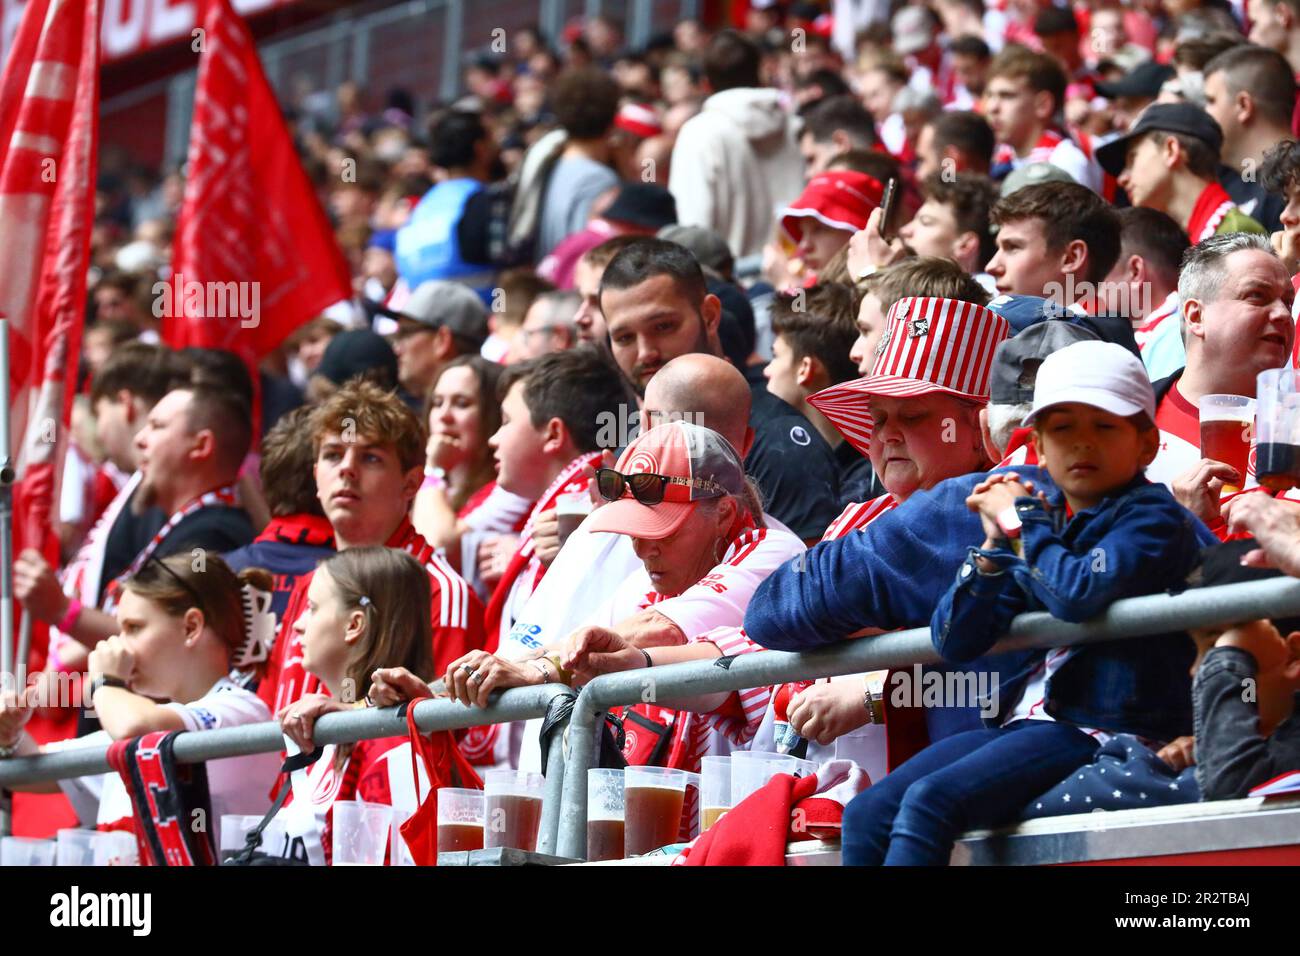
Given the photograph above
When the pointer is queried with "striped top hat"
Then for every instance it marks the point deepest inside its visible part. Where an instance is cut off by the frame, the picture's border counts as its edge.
(929, 345)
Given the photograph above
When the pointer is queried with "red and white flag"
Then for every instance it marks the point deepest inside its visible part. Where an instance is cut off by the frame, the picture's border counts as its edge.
(254, 255)
(49, 107)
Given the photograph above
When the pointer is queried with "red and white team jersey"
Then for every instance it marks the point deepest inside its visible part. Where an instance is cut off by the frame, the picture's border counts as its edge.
(1058, 150)
(494, 509)
(456, 613)
(713, 605)
(377, 771)
(237, 785)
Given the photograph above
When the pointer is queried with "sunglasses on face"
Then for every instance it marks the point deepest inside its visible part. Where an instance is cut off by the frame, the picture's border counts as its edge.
(646, 487)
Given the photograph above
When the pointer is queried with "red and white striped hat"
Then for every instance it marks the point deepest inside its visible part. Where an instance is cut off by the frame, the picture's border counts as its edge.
(929, 345)
(639, 120)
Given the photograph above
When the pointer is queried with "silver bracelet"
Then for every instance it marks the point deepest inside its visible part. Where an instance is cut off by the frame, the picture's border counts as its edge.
(539, 663)
(8, 750)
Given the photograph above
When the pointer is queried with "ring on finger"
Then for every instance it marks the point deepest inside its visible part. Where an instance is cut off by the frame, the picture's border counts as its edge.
(475, 677)
(467, 669)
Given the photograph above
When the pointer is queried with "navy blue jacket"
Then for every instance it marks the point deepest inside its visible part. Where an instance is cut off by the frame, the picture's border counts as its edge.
(1138, 541)
(288, 547)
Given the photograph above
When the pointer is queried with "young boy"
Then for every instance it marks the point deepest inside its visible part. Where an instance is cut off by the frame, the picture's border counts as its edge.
(1245, 691)
(1101, 533)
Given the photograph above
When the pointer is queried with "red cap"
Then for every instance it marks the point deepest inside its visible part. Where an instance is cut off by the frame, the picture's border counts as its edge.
(701, 464)
(842, 199)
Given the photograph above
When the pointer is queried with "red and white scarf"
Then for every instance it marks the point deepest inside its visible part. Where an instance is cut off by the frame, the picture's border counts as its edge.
(524, 565)
(858, 515)
(1211, 206)
(223, 496)
(1040, 153)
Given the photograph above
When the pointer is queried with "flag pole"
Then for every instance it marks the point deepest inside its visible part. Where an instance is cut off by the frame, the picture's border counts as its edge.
(6, 525)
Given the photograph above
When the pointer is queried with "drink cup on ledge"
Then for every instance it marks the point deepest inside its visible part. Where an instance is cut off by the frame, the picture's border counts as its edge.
(513, 808)
(605, 815)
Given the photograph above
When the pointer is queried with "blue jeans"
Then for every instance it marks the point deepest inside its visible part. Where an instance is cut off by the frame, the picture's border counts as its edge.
(980, 778)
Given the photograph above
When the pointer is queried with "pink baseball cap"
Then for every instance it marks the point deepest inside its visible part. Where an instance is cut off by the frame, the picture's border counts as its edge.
(697, 462)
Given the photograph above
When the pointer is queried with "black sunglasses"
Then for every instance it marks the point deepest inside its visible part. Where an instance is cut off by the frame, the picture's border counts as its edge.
(646, 487)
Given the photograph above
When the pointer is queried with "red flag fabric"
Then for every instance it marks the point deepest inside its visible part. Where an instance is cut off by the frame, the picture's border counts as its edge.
(49, 108)
(254, 255)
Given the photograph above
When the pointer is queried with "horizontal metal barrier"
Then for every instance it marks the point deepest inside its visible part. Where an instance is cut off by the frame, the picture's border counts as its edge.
(523, 703)
(1134, 617)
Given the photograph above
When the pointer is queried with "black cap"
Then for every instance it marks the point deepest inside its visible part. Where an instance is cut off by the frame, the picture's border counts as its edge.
(644, 205)
(1145, 79)
(1166, 118)
(358, 352)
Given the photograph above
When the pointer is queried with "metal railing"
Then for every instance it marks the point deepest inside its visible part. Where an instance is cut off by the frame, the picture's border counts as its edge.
(522, 703)
(563, 826)
(1134, 617)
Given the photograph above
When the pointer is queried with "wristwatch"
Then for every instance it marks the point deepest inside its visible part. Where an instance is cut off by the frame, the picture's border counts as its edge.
(873, 698)
(105, 680)
(8, 750)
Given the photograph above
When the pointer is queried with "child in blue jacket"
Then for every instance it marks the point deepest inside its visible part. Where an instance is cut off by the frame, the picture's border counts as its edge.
(1103, 534)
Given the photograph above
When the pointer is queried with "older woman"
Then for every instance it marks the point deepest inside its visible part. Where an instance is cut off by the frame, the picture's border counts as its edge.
(679, 492)
(916, 416)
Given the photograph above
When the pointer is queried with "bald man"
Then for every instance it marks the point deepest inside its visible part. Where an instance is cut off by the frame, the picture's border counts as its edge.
(703, 389)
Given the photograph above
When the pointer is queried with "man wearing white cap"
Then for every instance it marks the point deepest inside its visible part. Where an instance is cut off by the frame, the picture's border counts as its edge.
(1104, 533)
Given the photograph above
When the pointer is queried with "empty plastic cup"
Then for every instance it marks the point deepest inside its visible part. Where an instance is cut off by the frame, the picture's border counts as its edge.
(75, 847)
(399, 854)
(715, 790)
(360, 833)
(115, 848)
(460, 819)
(750, 770)
(25, 851)
(513, 808)
(605, 814)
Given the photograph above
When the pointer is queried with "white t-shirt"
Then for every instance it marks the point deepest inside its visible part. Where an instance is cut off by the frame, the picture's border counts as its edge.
(237, 785)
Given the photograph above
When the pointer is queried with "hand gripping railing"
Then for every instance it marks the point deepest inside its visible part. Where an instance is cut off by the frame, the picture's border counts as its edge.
(1134, 617)
(522, 703)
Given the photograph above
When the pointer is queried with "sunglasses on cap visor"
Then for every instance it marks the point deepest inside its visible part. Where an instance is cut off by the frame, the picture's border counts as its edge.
(646, 487)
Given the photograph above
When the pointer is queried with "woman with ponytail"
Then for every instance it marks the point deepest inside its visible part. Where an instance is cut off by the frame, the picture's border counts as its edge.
(191, 637)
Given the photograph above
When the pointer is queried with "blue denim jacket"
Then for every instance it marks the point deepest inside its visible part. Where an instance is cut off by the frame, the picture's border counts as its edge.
(890, 575)
(1138, 541)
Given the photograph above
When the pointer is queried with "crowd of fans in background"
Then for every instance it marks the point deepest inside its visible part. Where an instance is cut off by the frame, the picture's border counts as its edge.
(633, 329)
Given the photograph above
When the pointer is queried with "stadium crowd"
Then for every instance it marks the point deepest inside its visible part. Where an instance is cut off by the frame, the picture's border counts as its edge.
(853, 318)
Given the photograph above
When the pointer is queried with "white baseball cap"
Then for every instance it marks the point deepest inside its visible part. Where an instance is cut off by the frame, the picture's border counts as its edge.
(1101, 374)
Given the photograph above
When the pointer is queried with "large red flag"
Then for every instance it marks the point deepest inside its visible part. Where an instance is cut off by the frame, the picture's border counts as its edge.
(254, 256)
(49, 107)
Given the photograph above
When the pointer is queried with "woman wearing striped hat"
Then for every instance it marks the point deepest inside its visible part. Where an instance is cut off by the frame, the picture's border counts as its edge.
(916, 416)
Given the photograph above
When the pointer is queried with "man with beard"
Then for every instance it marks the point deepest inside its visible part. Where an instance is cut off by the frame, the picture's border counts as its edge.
(657, 307)
(188, 454)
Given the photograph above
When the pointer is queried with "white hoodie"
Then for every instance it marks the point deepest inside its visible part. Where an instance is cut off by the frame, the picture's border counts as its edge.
(735, 164)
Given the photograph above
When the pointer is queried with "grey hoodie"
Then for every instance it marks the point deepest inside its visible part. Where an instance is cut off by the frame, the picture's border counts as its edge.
(735, 165)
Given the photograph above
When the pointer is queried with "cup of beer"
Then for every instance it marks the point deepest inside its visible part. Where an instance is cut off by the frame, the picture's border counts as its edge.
(360, 833)
(653, 807)
(1227, 424)
(460, 819)
(605, 814)
(571, 509)
(1277, 429)
(513, 808)
(715, 789)
(751, 769)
